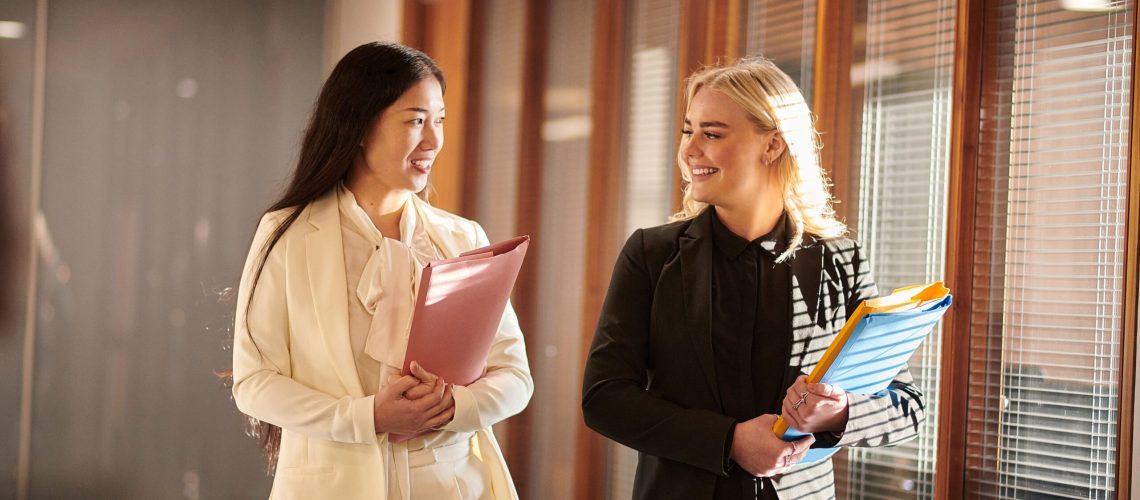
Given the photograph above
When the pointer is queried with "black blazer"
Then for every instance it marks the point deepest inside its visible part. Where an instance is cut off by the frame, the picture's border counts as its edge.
(650, 382)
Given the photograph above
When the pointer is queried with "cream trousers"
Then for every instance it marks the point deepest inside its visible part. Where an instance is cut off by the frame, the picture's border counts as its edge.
(449, 472)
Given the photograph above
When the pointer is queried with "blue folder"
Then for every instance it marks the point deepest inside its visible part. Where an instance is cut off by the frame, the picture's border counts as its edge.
(879, 346)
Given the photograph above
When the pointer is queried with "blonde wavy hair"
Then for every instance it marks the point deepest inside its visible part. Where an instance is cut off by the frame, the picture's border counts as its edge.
(773, 102)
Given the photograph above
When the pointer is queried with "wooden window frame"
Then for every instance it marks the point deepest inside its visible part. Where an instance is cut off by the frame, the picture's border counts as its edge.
(950, 469)
(1126, 414)
(969, 55)
(832, 105)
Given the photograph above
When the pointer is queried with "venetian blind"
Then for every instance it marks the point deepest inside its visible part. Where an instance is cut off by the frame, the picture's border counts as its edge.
(784, 31)
(907, 80)
(648, 150)
(1049, 233)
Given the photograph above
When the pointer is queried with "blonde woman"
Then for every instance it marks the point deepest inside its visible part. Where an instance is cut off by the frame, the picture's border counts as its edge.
(711, 320)
(325, 303)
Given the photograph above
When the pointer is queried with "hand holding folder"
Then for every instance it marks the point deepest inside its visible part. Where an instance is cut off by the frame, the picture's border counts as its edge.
(874, 345)
(458, 309)
(459, 306)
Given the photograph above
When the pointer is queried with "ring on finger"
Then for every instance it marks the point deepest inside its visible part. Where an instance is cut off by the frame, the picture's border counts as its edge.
(801, 401)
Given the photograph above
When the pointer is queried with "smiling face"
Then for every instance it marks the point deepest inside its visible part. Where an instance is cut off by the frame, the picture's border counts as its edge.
(727, 153)
(399, 150)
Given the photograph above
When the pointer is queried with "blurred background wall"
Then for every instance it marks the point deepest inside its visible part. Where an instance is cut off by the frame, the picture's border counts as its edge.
(983, 142)
(142, 140)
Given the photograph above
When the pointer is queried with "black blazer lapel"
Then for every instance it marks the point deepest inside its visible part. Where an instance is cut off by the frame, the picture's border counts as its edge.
(807, 280)
(696, 273)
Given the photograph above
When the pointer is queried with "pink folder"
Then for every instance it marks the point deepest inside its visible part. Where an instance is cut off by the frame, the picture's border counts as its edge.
(458, 309)
(460, 304)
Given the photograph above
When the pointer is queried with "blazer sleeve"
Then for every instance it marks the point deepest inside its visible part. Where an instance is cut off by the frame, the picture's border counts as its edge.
(889, 417)
(506, 386)
(615, 399)
(263, 387)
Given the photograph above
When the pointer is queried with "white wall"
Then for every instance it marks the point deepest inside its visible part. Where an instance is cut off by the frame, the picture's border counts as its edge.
(349, 23)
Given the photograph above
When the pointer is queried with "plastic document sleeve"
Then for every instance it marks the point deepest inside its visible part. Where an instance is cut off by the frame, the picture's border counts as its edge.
(874, 345)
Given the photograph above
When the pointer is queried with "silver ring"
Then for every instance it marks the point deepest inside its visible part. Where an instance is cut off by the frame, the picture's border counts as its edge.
(801, 401)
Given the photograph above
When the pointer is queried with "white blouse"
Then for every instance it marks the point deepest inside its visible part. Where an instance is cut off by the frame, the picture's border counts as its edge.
(383, 275)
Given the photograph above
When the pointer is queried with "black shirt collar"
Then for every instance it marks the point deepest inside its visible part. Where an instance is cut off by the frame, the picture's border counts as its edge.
(731, 244)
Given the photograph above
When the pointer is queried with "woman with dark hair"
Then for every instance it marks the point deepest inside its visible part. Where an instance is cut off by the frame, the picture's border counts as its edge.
(325, 301)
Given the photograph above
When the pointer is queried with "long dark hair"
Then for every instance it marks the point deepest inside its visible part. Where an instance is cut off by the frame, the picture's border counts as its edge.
(363, 84)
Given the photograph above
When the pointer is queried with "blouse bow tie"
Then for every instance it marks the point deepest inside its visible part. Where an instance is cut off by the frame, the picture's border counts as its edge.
(387, 290)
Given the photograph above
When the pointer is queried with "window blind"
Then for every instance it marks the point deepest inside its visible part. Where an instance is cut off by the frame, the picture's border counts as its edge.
(784, 31)
(1049, 239)
(907, 80)
(649, 151)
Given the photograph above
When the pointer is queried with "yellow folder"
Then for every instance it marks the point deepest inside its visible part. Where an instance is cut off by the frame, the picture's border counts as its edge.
(900, 300)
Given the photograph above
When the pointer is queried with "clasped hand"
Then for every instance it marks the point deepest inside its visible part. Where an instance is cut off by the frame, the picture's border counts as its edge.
(410, 404)
(809, 408)
(758, 450)
(815, 407)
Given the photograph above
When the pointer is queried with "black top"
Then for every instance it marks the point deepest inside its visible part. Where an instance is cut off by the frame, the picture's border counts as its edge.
(751, 330)
(650, 378)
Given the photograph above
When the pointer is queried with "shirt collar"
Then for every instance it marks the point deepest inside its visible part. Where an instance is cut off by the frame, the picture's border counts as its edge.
(362, 223)
(731, 244)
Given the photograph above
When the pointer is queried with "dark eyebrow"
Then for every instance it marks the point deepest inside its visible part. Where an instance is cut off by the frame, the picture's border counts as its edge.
(420, 110)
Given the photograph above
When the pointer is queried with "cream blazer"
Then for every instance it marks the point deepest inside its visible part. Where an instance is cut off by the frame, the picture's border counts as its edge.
(293, 364)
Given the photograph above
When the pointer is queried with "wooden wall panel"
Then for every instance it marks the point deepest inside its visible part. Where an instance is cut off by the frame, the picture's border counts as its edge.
(603, 216)
(442, 29)
(529, 218)
(469, 188)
